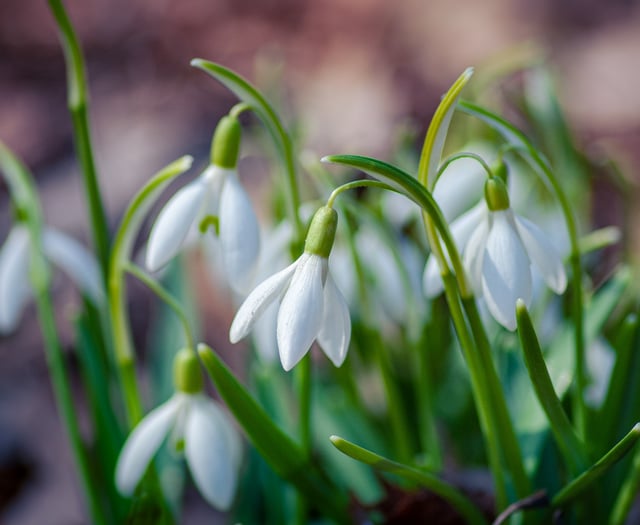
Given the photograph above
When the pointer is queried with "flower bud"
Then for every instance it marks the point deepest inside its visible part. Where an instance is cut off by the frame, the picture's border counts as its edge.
(225, 145)
(187, 374)
(322, 232)
(496, 195)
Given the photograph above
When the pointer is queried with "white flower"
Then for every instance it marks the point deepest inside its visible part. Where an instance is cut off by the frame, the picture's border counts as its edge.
(499, 249)
(216, 195)
(311, 306)
(59, 249)
(211, 446)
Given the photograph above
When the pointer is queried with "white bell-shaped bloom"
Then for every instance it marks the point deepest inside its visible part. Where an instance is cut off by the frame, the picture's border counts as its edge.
(60, 250)
(311, 306)
(214, 201)
(194, 424)
(211, 446)
(499, 249)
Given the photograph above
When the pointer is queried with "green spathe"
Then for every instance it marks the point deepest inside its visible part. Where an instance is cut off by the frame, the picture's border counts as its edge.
(225, 145)
(322, 232)
(187, 374)
(496, 195)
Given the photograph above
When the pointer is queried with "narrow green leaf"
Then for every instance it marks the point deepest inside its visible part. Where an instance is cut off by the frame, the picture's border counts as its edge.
(620, 399)
(438, 128)
(460, 502)
(567, 440)
(587, 478)
(276, 447)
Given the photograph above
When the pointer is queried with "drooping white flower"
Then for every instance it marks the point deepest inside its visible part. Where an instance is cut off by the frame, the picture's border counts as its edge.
(214, 201)
(60, 250)
(311, 306)
(499, 249)
(194, 424)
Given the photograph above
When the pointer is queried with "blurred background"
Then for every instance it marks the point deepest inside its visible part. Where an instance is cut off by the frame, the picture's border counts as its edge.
(351, 71)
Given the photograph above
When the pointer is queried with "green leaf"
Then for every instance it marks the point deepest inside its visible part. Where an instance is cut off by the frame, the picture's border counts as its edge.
(529, 418)
(620, 405)
(459, 501)
(276, 447)
(438, 129)
(587, 478)
(567, 440)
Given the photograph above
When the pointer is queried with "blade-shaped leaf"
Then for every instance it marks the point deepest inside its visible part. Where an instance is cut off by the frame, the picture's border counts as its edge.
(276, 447)
(460, 502)
(438, 128)
(587, 478)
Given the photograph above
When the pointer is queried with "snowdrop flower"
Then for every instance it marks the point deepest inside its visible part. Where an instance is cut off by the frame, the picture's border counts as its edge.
(214, 201)
(196, 425)
(499, 248)
(59, 249)
(311, 305)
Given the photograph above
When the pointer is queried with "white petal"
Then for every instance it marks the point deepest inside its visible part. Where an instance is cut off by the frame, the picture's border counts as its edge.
(386, 271)
(506, 271)
(239, 234)
(143, 443)
(473, 255)
(432, 279)
(76, 261)
(264, 333)
(257, 302)
(173, 224)
(543, 254)
(212, 449)
(335, 333)
(459, 187)
(461, 229)
(14, 277)
(464, 226)
(300, 314)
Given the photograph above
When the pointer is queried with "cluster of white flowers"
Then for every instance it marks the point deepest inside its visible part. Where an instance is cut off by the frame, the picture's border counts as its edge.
(297, 305)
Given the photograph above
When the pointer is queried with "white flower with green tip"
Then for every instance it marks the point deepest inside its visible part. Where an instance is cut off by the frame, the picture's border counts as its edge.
(311, 306)
(196, 425)
(499, 250)
(214, 204)
(60, 250)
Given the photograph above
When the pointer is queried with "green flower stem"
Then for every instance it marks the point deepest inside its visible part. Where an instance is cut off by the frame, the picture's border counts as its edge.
(465, 155)
(116, 290)
(251, 96)
(587, 478)
(478, 369)
(506, 431)
(356, 184)
(400, 430)
(304, 387)
(64, 401)
(522, 145)
(459, 501)
(166, 297)
(481, 395)
(568, 442)
(77, 102)
(305, 391)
